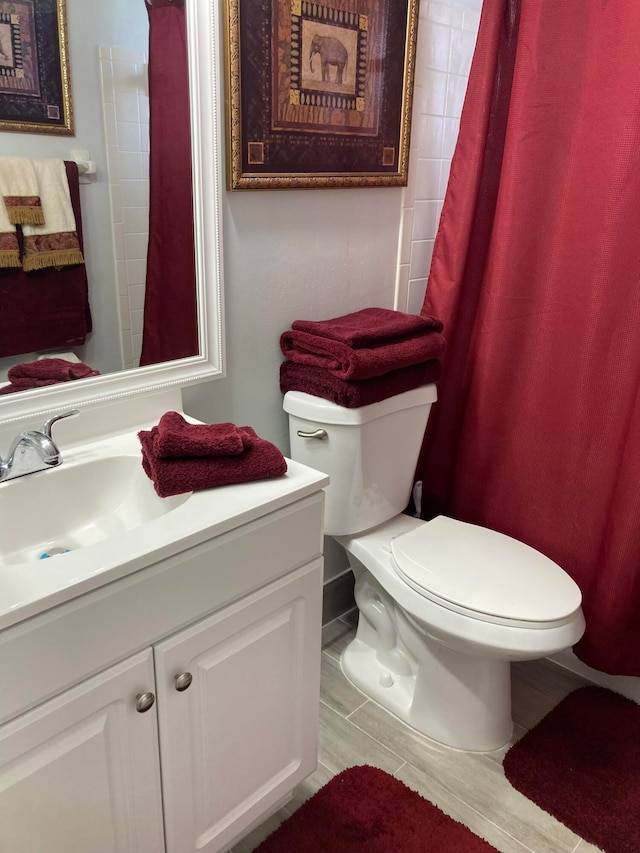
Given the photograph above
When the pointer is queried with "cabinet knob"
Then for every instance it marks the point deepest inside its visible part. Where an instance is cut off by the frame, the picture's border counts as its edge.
(183, 681)
(144, 701)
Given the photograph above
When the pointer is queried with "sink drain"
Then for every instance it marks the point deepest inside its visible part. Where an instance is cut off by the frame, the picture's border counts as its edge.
(53, 552)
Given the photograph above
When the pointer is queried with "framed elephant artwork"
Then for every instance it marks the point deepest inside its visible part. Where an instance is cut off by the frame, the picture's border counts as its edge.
(35, 83)
(319, 92)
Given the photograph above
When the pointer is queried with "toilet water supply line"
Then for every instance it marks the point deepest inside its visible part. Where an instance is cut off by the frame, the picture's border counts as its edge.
(417, 498)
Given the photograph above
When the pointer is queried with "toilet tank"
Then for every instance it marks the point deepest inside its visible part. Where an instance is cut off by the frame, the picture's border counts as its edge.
(370, 453)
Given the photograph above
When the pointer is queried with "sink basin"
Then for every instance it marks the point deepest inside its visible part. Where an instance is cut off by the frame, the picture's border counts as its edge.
(78, 504)
(99, 518)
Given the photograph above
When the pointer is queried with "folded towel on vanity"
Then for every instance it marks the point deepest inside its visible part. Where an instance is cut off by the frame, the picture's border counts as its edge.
(363, 392)
(176, 437)
(19, 188)
(347, 363)
(43, 372)
(56, 243)
(369, 327)
(258, 461)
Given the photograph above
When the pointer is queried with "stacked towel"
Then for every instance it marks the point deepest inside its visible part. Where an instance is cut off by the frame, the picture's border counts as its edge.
(352, 395)
(55, 243)
(37, 199)
(43, 372)
(364, 344)
(181, 457)
(19, 188)
(369, 327)
(363, 357)
(176, 438)
(47, 308)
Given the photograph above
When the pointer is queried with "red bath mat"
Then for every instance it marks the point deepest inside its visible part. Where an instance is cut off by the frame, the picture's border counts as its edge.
(581, 764)
(365, 809)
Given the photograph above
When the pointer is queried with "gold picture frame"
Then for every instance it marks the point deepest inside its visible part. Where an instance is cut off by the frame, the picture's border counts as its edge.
(319, 92)
(35, 85)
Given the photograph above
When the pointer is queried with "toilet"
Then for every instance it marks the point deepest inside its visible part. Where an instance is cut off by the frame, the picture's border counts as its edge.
(444, 606)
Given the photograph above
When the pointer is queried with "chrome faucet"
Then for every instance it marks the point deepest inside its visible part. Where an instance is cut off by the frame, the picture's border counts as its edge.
(33, 450)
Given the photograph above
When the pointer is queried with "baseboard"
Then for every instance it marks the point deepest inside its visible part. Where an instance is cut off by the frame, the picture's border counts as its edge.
(337, 597)
(627, 685)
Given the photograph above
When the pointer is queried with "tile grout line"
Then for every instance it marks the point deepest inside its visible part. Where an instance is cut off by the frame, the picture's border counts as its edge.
(347, 716)
(373, 738)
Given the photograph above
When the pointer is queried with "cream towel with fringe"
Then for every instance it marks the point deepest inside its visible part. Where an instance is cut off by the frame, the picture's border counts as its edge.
(9, 249)
(56, 243)
(19, 188)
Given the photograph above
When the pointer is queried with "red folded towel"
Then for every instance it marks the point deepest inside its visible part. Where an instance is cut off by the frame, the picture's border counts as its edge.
(177, 438)
(352, 395)
(369, 327)
(45, 371)
(348, 363)
(50, 368)
(259, 460)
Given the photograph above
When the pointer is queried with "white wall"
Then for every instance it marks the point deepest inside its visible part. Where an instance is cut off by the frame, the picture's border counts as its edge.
(290, 254)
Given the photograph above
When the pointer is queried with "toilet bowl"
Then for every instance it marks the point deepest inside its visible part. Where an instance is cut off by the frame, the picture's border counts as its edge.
(444, 606)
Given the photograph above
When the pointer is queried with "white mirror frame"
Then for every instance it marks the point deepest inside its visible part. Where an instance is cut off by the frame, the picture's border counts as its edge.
(203, 26)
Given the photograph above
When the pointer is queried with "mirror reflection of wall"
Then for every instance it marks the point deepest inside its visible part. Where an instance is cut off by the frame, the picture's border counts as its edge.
(104, 37)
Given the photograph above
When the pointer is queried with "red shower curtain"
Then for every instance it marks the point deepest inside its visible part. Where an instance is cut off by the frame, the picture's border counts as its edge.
(536, 274)
(170, 313)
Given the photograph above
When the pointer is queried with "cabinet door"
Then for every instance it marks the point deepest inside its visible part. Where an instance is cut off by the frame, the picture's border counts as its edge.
(80, 773)
(244, 733)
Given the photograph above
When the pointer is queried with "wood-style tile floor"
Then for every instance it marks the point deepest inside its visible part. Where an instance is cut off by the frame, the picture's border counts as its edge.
(471, 787)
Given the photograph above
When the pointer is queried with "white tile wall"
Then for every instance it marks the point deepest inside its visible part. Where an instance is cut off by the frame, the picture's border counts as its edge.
(446, 40)
(126, 121)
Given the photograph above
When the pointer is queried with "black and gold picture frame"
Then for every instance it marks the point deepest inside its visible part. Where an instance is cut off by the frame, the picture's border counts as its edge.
(319, 93)
(35, 88)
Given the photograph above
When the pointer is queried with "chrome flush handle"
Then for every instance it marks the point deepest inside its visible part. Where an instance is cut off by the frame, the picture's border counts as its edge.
(319, 434)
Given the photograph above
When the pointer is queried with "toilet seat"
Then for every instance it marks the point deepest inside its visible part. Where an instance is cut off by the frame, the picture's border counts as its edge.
(486, 574)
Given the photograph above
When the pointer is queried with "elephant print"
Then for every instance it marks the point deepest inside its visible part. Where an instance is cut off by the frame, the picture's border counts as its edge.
(332, 53)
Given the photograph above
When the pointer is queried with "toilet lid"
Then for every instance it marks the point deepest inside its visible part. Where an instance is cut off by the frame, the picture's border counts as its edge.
(477, 569)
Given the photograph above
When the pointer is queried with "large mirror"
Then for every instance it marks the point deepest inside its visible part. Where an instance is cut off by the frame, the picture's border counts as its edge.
(118, 30)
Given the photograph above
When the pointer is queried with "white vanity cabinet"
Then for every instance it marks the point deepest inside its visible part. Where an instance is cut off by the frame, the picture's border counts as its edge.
(171, 709)
(244, 732)
(81, 773)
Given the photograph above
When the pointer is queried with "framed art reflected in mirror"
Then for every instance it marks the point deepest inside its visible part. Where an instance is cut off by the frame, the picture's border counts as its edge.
(319, 93)
(35, 89)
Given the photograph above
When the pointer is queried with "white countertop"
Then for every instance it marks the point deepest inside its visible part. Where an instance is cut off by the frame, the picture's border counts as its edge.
(29, 588)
